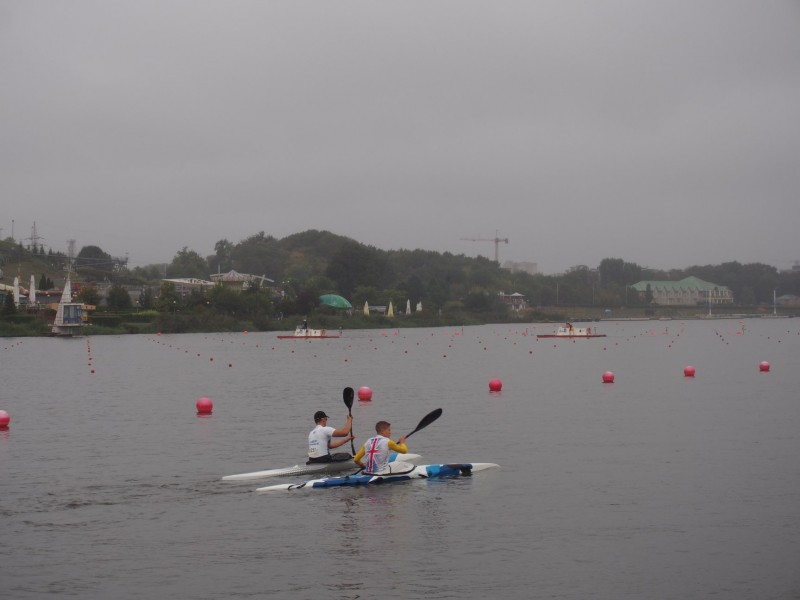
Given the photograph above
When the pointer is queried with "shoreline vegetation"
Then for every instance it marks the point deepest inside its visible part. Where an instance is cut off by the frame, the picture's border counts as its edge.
(153, 322)
(263, 283)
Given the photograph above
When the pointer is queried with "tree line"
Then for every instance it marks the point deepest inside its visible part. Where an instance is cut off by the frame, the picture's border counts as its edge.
(306, 265)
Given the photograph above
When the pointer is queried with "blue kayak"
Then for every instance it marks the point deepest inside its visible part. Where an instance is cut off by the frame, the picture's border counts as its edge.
(397, 472)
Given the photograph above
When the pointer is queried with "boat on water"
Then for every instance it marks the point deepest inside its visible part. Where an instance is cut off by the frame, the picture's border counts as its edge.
(302, 332)
(397, 472)
(570, 331)
(313, 469)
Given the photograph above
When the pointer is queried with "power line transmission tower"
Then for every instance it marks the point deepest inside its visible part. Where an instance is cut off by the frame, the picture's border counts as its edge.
(35, 238)
(496, 241)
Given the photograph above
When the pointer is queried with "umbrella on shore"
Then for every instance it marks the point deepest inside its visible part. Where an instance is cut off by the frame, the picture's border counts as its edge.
(334, 301)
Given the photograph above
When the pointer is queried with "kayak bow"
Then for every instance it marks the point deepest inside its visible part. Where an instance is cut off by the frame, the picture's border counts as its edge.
(404, 473)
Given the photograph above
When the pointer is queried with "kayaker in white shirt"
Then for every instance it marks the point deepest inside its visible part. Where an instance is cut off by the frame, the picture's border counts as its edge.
(320, 440)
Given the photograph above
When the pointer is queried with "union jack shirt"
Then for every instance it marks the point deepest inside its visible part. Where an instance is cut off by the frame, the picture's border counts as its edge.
(377, 451)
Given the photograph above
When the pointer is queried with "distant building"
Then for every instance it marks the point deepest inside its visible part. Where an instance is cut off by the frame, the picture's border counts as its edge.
(787, 300)
(531, 268)
(239, 281)
(515, 301)
(691, 291)
(186, 285)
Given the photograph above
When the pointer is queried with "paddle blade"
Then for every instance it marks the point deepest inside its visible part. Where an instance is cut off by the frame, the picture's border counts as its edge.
(348, 394)
(427, 420)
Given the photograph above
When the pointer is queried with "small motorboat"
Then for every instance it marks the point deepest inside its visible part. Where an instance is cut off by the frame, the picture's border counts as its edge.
(302, 332)
(570, 331)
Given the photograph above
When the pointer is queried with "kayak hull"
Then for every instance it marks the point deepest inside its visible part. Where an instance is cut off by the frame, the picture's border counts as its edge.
(402, 473)
(312, 469)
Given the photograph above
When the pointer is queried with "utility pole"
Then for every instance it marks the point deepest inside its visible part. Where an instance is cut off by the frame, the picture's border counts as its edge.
(70, 255)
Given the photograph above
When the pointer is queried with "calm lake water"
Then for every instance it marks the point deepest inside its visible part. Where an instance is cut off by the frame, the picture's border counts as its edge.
(654, 486)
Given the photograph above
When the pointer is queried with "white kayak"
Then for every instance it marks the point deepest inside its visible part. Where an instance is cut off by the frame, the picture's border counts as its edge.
(313, 469)
(398, 471)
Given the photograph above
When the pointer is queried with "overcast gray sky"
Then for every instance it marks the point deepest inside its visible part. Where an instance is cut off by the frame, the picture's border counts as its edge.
(665, 133)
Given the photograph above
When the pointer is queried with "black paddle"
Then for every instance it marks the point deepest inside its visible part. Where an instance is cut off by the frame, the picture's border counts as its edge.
(427, 420)
(348, 394)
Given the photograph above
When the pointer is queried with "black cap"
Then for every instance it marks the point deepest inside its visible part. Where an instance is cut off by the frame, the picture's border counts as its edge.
(319, 415)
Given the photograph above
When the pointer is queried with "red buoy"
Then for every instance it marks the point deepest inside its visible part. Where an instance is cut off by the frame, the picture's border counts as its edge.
(204, 406)
(5, 419)
(608, 377)
(763, 367)
(364, 393)
(688, 371)
(495, 385)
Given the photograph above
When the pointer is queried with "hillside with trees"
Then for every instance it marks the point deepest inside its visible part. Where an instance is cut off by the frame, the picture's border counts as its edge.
(452, 288)
(308, 264)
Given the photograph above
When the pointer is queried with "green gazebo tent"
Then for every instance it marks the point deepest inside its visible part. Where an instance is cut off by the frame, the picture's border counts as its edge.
(334, 301)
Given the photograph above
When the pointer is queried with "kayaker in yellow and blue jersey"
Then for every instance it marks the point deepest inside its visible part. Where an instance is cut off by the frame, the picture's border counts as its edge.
(379, 448)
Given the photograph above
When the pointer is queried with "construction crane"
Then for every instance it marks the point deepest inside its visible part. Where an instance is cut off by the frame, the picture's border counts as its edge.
(496, 241)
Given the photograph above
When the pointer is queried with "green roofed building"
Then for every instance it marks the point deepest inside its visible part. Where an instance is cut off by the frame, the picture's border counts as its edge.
(691, 291)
